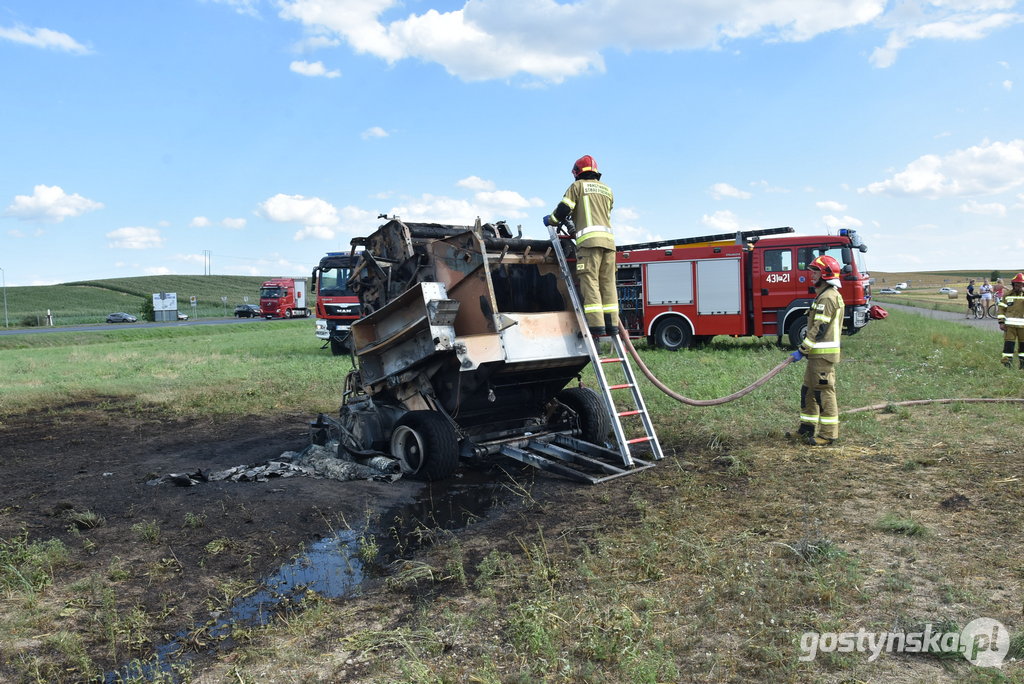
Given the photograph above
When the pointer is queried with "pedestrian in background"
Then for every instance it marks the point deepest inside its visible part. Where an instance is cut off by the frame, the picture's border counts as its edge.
(970, 298)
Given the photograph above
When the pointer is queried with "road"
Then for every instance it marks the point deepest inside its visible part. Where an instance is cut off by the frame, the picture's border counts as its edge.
(119, 326)
(985, 323)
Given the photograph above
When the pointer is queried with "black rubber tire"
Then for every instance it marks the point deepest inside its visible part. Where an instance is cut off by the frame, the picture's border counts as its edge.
(797, 331)
(426, 446)
(673, 334)
(595, 423)
(340, 347)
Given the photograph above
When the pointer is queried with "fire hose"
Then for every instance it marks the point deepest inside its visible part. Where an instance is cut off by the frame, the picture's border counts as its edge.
(775, 371)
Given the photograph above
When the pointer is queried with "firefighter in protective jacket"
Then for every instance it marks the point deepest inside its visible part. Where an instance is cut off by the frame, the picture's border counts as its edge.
(1011, 322)
(819, 410)
(589, 202)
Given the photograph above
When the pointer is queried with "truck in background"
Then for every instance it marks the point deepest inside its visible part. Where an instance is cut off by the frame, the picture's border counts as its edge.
(283, 298)
(337, 305)
(680, 293)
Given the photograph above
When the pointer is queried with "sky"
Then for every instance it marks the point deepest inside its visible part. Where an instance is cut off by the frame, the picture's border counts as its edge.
(249, 137)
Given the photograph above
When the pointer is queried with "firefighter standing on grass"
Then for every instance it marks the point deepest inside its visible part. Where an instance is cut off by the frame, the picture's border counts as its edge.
(819, 411)
(1011, 321)
(589, 202)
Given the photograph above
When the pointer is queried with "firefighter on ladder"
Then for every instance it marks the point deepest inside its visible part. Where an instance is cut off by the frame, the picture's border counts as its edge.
(819, 410)
(1011, 321)
(589, 202)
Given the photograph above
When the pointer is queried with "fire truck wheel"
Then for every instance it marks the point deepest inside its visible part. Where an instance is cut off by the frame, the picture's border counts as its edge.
(288, 313)
(673, 334)
(425, 445)
(595, 423)
(797, 331)
(339, 347)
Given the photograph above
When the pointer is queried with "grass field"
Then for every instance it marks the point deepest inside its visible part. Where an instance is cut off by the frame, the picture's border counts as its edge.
(708, 568)
(90, 301)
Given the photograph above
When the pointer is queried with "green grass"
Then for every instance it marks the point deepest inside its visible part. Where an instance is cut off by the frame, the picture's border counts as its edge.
(90, 301)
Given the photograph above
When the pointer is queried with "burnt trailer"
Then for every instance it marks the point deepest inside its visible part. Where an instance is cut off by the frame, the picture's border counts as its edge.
(467, 347)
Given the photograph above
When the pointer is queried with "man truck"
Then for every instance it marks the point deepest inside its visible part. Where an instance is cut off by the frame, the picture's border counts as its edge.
(337, 305)
(283, 298)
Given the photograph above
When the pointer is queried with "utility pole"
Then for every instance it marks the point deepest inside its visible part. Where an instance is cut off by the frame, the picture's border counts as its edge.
(207, 270)
(3, 274)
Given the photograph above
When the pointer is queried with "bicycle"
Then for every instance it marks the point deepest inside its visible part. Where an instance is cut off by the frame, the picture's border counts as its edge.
(980, 310)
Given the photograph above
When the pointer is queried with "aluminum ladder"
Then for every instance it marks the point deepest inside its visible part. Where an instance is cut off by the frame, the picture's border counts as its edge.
(639, 410)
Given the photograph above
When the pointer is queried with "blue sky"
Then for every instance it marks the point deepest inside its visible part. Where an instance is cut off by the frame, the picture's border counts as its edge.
(137, 136)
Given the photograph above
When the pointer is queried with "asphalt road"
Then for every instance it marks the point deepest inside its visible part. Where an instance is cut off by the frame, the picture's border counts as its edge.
(985, 323)
(115, 326)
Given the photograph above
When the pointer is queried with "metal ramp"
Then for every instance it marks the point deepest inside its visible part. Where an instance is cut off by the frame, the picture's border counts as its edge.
(619, 358)
(573, 458)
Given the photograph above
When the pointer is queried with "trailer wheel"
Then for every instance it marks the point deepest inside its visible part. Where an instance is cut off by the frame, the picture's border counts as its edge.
(425, 445)
(595, 423)
(673, 334)
(797, 331)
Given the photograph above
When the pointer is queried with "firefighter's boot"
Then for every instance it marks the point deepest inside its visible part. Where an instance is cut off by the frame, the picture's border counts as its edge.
(819, 441)
(611, 328)
(597, 331)
(803, 433)
(1007, 363)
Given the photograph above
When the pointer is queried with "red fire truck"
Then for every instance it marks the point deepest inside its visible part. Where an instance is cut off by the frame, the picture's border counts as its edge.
(283, 298)
(679, 293)
(337, 306)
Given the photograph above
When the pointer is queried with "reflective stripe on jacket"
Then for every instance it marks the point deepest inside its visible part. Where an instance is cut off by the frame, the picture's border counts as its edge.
(590, 203)
(824, 325)
(1011, 310)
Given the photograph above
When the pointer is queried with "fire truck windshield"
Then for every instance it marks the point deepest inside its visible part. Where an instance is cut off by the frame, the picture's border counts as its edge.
(334, 282)
(271, 292)
(844, 255)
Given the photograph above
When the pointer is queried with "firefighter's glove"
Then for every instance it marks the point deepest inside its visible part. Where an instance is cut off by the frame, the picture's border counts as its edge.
(550, 220)
(796, 356)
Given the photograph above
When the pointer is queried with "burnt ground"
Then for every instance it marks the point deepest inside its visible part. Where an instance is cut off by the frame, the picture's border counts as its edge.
(168, 549)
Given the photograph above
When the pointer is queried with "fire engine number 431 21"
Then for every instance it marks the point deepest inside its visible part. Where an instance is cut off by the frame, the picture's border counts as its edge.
(776, 277)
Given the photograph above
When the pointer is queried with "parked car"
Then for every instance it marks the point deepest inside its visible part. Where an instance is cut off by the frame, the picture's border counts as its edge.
(247, 311)
(121, 317)
(888, 290)
(182, 317)
(946, 290)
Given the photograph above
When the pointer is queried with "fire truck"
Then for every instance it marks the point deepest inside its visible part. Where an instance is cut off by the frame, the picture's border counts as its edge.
(337, 305)
(681, 293)
(283, 298)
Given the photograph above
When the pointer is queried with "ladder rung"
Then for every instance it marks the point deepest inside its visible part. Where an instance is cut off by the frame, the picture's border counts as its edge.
(611, 360)
(611, 387)
(648, 438)
(630, 413)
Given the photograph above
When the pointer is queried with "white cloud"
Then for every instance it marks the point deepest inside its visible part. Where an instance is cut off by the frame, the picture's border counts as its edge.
(43, 38)
(1008, 84)
(51, 204)
(199, 222)
(551, 40)
(986, 169)
(830, 205)
(475, 183)
(135, 238)
(722, 220)
(320, 219)
(990, 209)
(313, 69)
(374, 132)
(157, 270)
(234, 223)
(722, 190)
(766, 187)
(940, 20)
(845, 222)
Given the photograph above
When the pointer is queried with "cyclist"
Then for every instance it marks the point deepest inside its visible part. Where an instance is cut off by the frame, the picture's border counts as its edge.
(970, 298)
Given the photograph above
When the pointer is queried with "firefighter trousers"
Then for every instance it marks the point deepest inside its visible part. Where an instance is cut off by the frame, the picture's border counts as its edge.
(818, 407)
(595, 268)
(1014, 334)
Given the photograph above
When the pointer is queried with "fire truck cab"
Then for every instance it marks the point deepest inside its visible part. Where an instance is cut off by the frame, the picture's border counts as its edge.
(679, 293)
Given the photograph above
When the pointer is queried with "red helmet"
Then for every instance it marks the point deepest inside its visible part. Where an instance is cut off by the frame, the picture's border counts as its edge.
(582, 165)
(1019, 278)
(828, 266)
